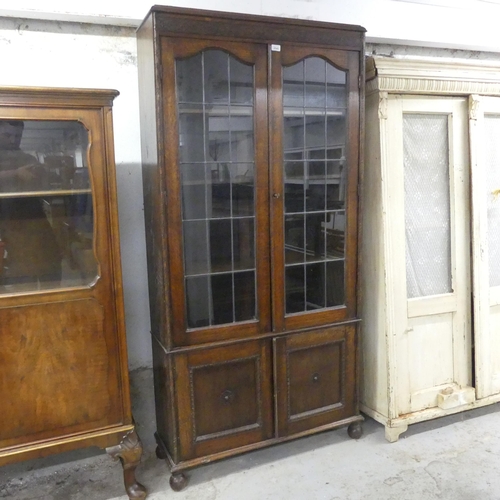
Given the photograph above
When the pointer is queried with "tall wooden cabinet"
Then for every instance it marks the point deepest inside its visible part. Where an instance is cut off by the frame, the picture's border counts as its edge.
(63, 360)
(250, 132)
(430, 281)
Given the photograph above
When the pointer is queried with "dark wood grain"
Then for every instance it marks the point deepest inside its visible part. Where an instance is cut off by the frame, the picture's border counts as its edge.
(315, 378)
(225, 397)
(233, 387)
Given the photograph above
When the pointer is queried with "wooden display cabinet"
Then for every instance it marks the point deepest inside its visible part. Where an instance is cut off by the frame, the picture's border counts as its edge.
(63, 362)
(250, 140)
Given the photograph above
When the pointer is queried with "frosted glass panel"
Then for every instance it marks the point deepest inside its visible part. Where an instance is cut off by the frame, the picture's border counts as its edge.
(427, 204)
(492, 159)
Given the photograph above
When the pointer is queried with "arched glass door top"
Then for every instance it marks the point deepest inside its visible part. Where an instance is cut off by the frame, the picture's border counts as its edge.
(46, 218)
(314, 142)
(215, 94)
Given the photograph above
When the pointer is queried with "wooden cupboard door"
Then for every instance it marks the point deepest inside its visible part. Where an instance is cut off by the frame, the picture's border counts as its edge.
(224, 398)
(314, 138)
(428, 251)
(484, 123)
(315, 378)
(58, 371)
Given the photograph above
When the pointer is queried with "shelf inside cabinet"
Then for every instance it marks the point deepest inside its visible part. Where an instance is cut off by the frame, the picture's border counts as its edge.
(59, 192)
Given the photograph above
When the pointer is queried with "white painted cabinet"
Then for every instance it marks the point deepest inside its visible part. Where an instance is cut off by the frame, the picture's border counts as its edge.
(431, 240)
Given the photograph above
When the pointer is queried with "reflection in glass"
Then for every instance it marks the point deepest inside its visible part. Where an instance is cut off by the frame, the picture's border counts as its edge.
(335, 283)
(294, 239)
(222, 298)
(216, 145)
(315, 236)
(295, 292)
(195, 242)
(194, 203)
(243, 243)
(314, 105)
(221, 255)
(192, 134)
(315, 289)
(244, 295)
(46, 213)
(198, 312)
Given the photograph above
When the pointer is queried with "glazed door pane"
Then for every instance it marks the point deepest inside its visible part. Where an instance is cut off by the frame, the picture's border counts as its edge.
(314, 142)
(46, 211)
(216, 111)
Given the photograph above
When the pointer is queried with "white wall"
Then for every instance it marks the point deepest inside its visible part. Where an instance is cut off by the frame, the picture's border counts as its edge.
(470, 24)
(70, 54)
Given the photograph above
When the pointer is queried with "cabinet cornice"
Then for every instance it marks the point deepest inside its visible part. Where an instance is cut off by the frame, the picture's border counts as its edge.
(432, 76)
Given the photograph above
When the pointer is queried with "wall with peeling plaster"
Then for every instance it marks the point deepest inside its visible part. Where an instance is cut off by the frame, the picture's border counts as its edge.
(66, 53)
(61, 54)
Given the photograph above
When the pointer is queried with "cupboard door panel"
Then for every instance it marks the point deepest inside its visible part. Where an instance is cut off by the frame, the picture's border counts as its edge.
(224, 398)
(315, 378)
(57, 371)
(430, 293)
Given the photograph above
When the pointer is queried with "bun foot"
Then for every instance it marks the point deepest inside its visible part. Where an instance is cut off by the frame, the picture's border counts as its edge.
(160, 453)
(355, 430)
(178, 481)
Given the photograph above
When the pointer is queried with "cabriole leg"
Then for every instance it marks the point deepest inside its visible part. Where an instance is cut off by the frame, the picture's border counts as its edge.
(129, 452)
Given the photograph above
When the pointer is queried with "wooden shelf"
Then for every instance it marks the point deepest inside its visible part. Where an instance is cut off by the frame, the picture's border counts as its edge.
(32, 194)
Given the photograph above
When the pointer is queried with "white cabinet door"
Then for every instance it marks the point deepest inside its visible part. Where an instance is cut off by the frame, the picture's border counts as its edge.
(427, 188)
(485, 158)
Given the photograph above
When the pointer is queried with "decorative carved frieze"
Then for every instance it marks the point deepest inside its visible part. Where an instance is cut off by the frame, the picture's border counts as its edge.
(434, 76)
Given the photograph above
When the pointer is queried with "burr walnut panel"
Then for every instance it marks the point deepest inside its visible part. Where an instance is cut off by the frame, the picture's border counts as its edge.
(65, 347)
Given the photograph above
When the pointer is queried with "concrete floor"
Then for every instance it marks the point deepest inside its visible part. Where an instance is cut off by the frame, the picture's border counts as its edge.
(455, 458)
